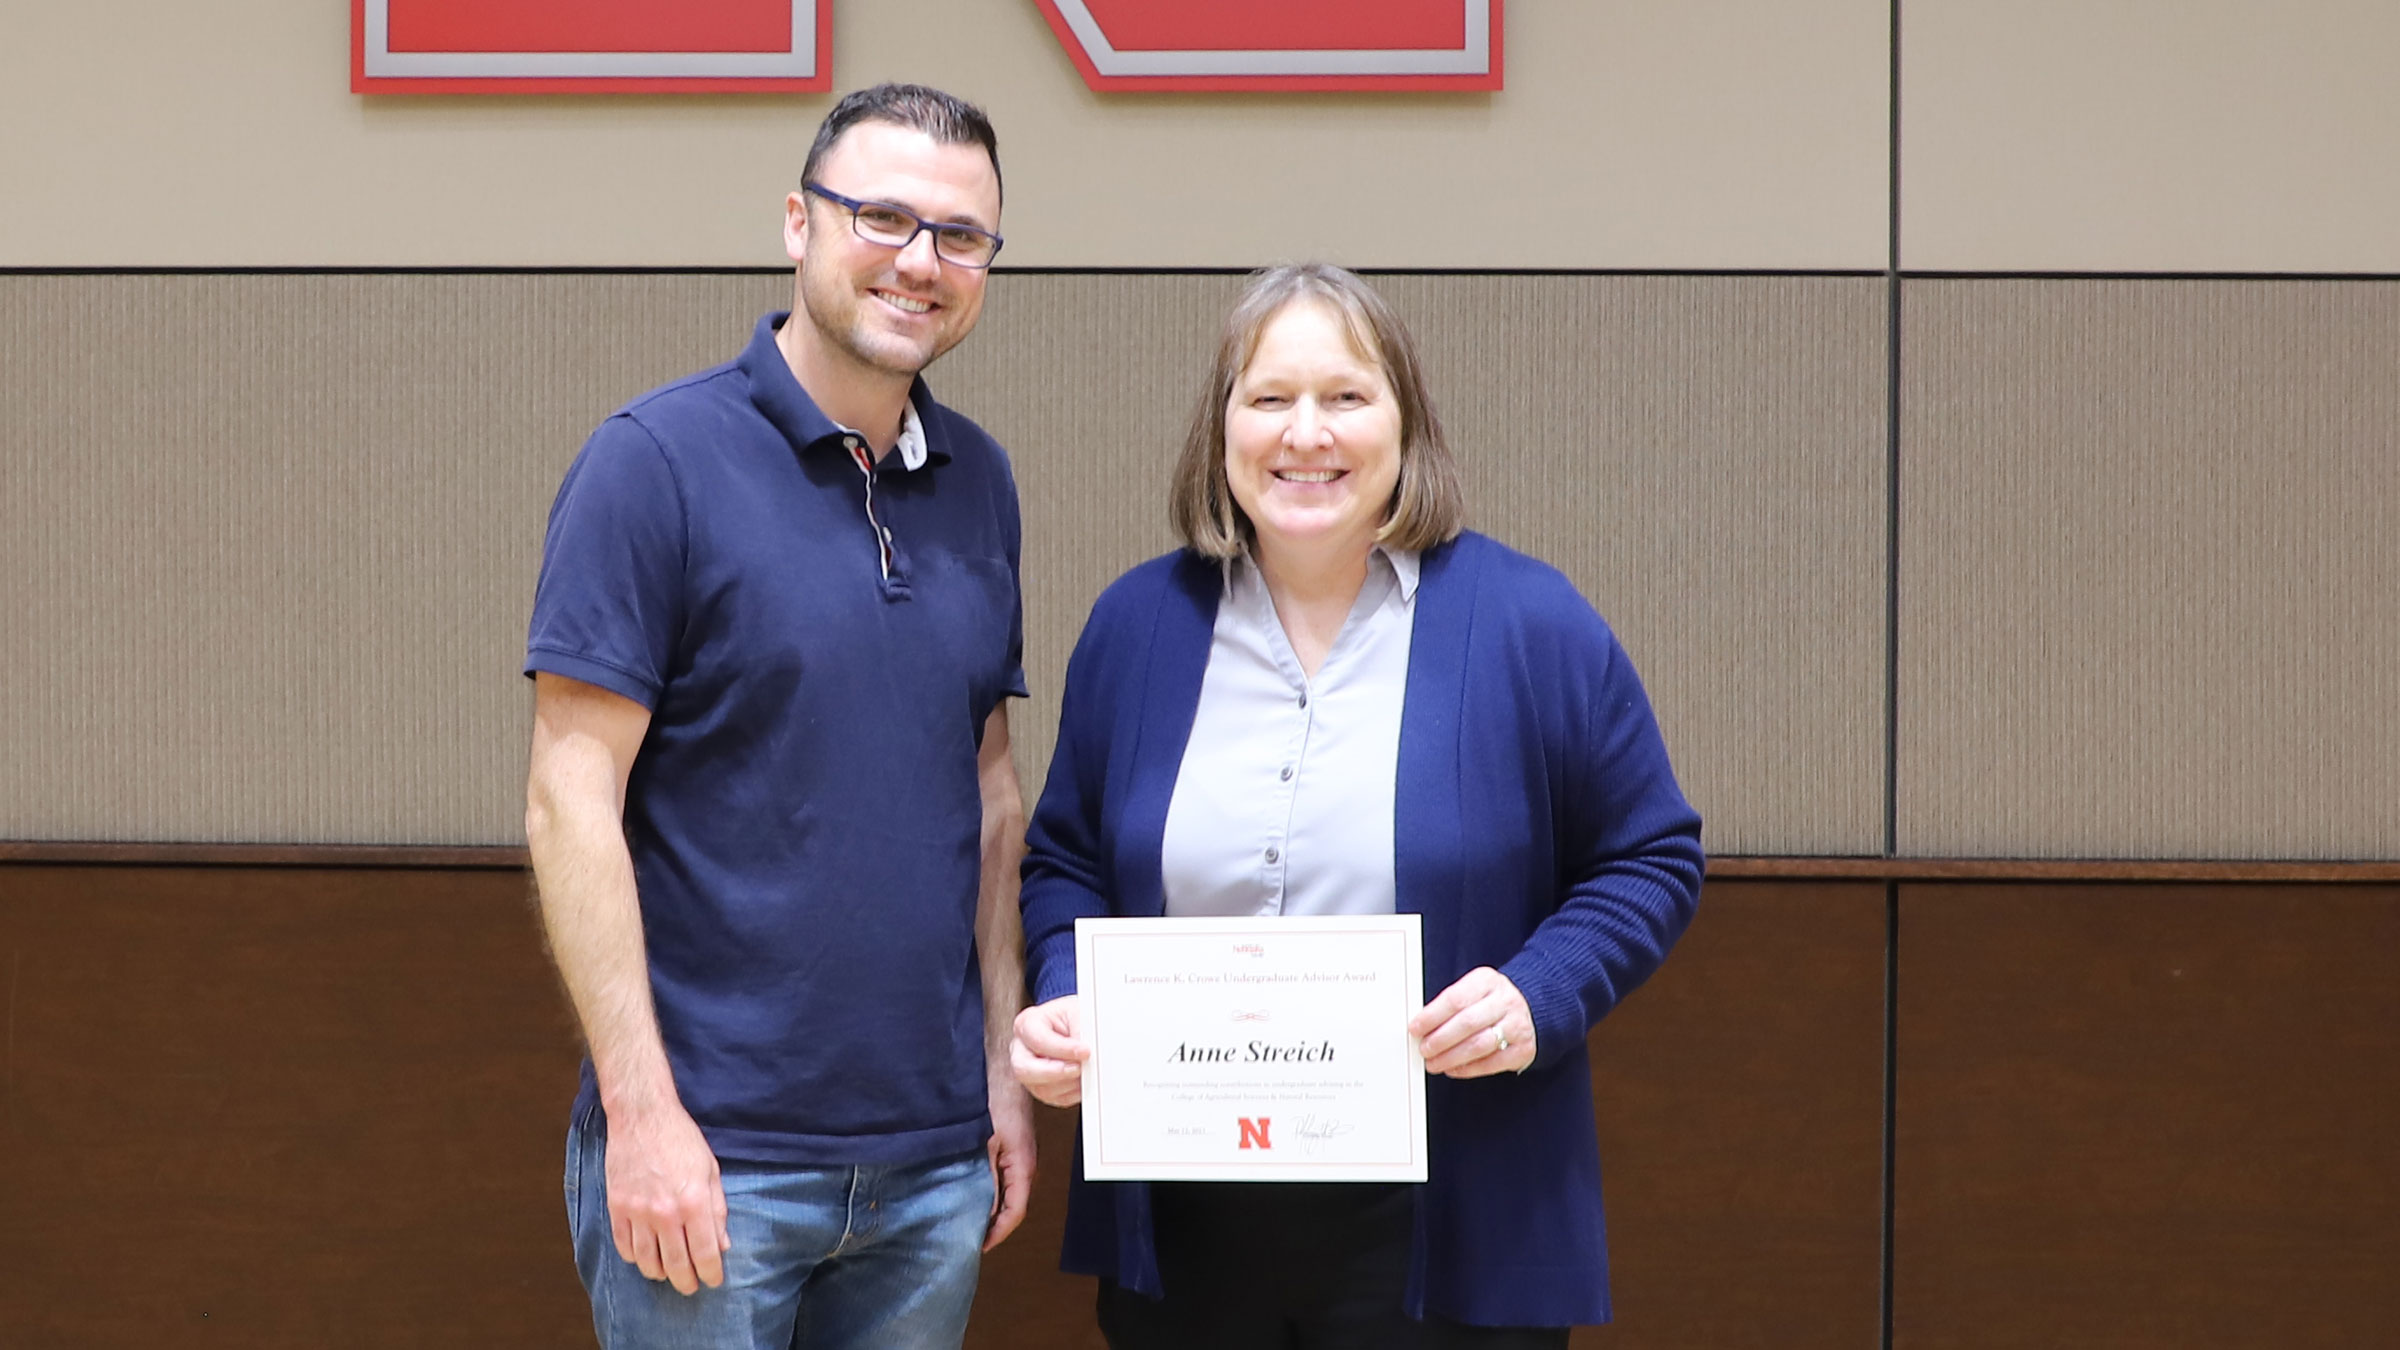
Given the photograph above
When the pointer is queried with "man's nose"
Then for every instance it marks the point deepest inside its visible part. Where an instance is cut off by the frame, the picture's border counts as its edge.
(918, 259)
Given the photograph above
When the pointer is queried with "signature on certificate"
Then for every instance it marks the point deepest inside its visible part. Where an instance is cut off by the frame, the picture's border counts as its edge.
(1314, 1130)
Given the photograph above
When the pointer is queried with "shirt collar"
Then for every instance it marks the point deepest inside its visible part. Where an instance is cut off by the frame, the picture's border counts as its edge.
(1403, 562)
(912, 436)
(779, 397)
(1404, 567)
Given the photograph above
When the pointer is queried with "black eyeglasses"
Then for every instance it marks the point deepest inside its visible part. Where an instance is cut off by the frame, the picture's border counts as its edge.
(898, 227)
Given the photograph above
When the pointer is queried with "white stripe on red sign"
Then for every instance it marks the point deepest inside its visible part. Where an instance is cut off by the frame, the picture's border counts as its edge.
(1472, 58)
(798, 62)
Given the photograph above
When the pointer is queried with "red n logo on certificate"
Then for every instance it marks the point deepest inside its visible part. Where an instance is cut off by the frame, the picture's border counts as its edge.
(1214, 45)
(1254, 1132)
(590, 46)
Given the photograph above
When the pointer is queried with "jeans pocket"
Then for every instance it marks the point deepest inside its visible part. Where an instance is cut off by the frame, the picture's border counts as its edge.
(578, 1140)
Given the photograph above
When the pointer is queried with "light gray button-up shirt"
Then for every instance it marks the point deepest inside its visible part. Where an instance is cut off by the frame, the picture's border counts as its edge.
(1284, 801)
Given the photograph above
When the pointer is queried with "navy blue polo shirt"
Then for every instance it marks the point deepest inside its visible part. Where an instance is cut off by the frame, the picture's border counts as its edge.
(804, 814)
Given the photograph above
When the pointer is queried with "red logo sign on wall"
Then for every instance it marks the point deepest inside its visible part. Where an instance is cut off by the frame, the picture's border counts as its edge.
(770, 46)
(1212, 45)
(590, 46)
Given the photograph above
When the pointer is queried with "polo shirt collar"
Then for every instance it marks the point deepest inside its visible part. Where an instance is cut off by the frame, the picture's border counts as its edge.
(912, 434)
(779, 397)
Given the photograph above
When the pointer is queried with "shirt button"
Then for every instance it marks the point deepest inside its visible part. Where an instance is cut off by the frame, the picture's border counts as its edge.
(1286, 775)
(1272, 855)
(1304, 700)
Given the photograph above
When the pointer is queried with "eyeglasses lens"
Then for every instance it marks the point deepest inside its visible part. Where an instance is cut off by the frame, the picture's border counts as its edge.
(895, 229)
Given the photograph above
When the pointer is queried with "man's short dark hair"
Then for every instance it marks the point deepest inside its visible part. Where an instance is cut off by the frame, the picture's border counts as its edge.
(948, 119)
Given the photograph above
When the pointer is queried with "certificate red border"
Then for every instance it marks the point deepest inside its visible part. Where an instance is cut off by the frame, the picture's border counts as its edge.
(1095, 1131)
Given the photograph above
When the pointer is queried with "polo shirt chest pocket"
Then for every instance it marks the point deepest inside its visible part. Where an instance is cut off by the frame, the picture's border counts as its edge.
(972, 603)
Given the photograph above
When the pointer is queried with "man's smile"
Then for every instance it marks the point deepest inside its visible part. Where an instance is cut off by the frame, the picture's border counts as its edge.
(906, 304)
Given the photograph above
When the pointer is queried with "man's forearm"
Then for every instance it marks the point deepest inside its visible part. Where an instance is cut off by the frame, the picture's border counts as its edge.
(999, 928)
(593, 918)
(1000, 936)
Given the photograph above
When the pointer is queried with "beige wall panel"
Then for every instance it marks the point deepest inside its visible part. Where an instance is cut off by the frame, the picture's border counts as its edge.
(1089, 381)
(2150, 135)
(1651, 133)
(269, 542)
(2150, 555)
(1704, 456)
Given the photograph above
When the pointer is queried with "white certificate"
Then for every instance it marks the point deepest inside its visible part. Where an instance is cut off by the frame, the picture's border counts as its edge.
(1253, 1049)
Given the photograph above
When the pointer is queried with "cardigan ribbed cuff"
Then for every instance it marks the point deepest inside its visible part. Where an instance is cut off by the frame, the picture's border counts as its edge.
(1554, 1001)
(1053, 965)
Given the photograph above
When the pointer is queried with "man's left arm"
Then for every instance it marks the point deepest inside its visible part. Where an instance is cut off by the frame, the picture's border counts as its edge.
(1000, 948)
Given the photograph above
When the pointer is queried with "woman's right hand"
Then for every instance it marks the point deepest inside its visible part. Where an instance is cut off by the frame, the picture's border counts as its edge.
(1048, 1052)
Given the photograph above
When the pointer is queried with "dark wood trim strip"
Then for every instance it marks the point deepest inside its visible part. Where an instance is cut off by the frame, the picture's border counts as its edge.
(469, 856)
(503, 857)
(2049, 869)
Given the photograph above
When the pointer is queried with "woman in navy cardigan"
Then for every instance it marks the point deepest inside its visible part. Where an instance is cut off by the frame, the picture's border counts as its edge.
(1535, 825)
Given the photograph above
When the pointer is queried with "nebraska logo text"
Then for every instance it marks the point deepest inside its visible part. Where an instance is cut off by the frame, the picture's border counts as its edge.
(1254, 1131)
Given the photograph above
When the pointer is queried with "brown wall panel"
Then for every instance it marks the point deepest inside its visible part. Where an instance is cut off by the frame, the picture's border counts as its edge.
(2150, 549)
(330, 1105)
(2140, 1117)
(269, 542)
(1024, 1302)
(1740, 1095)
(281, 1108)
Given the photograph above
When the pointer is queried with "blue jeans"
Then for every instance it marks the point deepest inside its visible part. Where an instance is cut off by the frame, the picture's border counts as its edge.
(824, 1258)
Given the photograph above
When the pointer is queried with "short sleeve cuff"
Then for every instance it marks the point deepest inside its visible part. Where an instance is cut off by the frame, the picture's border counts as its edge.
(597, 673)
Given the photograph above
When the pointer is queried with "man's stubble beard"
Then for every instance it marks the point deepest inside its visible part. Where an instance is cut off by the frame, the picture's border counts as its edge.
(822, 298)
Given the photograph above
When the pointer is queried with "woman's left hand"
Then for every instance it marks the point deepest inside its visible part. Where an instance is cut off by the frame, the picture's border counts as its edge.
(1476, 1027)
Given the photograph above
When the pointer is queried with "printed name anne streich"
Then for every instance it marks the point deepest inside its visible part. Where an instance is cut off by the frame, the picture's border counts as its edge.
(1257, 1052)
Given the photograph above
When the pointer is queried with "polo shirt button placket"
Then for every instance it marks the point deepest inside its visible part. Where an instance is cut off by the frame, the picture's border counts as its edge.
(891, 572)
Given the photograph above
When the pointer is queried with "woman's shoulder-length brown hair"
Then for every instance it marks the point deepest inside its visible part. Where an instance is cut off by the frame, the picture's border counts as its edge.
(1428, 503)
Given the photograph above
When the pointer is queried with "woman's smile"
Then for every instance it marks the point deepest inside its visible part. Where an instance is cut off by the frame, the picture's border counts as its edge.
(1312, 436)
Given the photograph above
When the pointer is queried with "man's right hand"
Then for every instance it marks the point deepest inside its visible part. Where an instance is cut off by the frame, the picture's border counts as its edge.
(1048, 1052)
(666, 1201)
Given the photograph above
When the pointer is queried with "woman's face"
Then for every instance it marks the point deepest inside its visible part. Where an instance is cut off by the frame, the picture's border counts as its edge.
(1312, 437)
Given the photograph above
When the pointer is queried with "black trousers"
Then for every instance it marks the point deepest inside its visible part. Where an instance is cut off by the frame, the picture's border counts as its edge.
(1288, 1266)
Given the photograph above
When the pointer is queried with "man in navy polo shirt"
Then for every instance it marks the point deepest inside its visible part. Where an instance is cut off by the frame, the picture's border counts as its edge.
(771, 808)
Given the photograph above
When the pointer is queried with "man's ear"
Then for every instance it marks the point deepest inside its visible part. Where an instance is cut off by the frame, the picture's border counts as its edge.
(795, 226)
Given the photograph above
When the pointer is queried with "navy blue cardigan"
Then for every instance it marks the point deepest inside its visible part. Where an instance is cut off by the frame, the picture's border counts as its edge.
(1538, 829)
